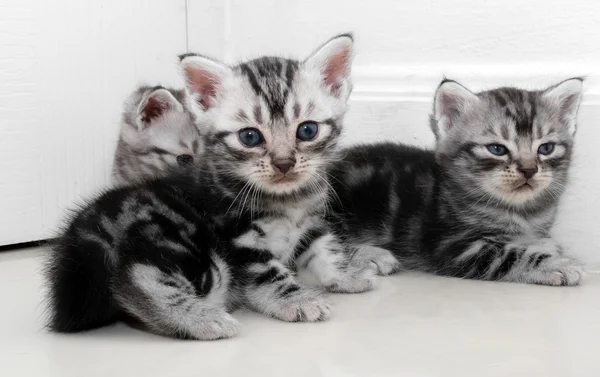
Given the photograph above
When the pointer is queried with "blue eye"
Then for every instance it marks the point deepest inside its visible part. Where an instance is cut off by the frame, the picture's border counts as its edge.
(497, 149)
(250, 137)
(546, 148)
(307, 131)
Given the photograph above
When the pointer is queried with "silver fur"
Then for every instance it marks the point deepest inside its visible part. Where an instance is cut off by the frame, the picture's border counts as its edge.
(158, 144)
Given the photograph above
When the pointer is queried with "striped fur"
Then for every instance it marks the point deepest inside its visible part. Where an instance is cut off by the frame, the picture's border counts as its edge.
(461, 210)
(178, 254)
(158, 136)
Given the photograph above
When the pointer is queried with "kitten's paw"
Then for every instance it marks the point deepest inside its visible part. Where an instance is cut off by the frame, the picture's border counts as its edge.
(557, 271)
(383, 260)
(304, 305)
(353, 279)
(218, 325)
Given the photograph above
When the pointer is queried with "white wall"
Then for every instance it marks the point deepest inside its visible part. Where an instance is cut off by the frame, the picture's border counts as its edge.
(406, 47)
(65, 68)
(414, 32)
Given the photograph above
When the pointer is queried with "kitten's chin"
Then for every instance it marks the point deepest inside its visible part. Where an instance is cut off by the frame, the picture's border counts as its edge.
(519, 195)
(282, 188)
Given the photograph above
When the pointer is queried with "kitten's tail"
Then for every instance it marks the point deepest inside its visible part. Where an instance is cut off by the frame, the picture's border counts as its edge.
(78, 278)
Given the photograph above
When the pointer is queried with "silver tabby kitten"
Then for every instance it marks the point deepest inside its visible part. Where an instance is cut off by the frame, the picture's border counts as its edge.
(179, 254)
(275, 128)
(158, 136)
(482, 204)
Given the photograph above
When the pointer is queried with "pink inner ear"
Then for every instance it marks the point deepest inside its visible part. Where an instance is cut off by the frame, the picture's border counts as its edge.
(153, 109)
(568, 103)
(204, 84)
(336, 68)
(449, 105)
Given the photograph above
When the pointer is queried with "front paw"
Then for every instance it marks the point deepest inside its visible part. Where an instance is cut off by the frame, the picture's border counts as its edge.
(220, 325)
(558, 270)
(353, 279)
(383, 260)
(302, 305)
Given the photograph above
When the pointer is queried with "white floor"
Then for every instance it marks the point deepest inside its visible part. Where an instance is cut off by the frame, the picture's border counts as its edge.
(413, 325)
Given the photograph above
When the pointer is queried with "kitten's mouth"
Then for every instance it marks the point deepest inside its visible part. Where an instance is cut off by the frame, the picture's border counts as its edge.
(283, 179)
(527, 186)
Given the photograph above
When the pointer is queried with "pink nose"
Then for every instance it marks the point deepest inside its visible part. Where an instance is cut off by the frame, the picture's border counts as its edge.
(284, 165)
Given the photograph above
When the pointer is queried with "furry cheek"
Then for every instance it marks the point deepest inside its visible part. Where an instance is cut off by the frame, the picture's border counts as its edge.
(543, 178)
(499, 182)
(303, 162)
(493, 185)
(510, 176)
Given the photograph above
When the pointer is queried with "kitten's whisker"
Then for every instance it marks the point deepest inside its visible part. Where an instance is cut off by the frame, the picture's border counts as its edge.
(329, 187)
(237, 196)
(243, 201)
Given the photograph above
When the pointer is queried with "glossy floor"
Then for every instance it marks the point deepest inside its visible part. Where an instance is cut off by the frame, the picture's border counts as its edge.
(413, 325)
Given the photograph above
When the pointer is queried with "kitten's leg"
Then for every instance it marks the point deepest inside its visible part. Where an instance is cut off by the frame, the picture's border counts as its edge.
(272, 289)
(175, 301)
(326, 258)
(538, 261)
(383, 259)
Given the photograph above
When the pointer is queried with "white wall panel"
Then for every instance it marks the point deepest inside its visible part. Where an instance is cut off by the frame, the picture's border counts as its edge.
(65, 68)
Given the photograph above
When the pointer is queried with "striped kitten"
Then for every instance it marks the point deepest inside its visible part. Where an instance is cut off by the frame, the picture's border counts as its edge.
(178, 254)
(482, 204)
(158, 136)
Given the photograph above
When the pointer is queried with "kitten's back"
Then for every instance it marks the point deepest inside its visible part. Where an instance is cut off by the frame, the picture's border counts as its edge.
(372, 181)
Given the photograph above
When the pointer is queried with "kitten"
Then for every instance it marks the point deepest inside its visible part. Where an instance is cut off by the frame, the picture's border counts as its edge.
(180, 253)
(482, 204)
(158, 136)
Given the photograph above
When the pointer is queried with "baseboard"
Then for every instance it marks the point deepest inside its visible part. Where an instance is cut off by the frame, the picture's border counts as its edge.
(418, 83)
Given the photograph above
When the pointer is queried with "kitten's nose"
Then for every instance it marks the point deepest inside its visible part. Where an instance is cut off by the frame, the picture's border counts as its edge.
(184, 159)
(528, 172)
(284, 165)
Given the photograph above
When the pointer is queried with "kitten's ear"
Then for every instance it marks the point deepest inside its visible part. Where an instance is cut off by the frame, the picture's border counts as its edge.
(204, 78)
(564, 99)
(154, 105)
(334, 62)
(451, 99)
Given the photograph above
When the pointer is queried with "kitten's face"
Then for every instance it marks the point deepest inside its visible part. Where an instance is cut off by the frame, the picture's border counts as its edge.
(513, 145)
(172, 143)
(159, 135)
(276, 122)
